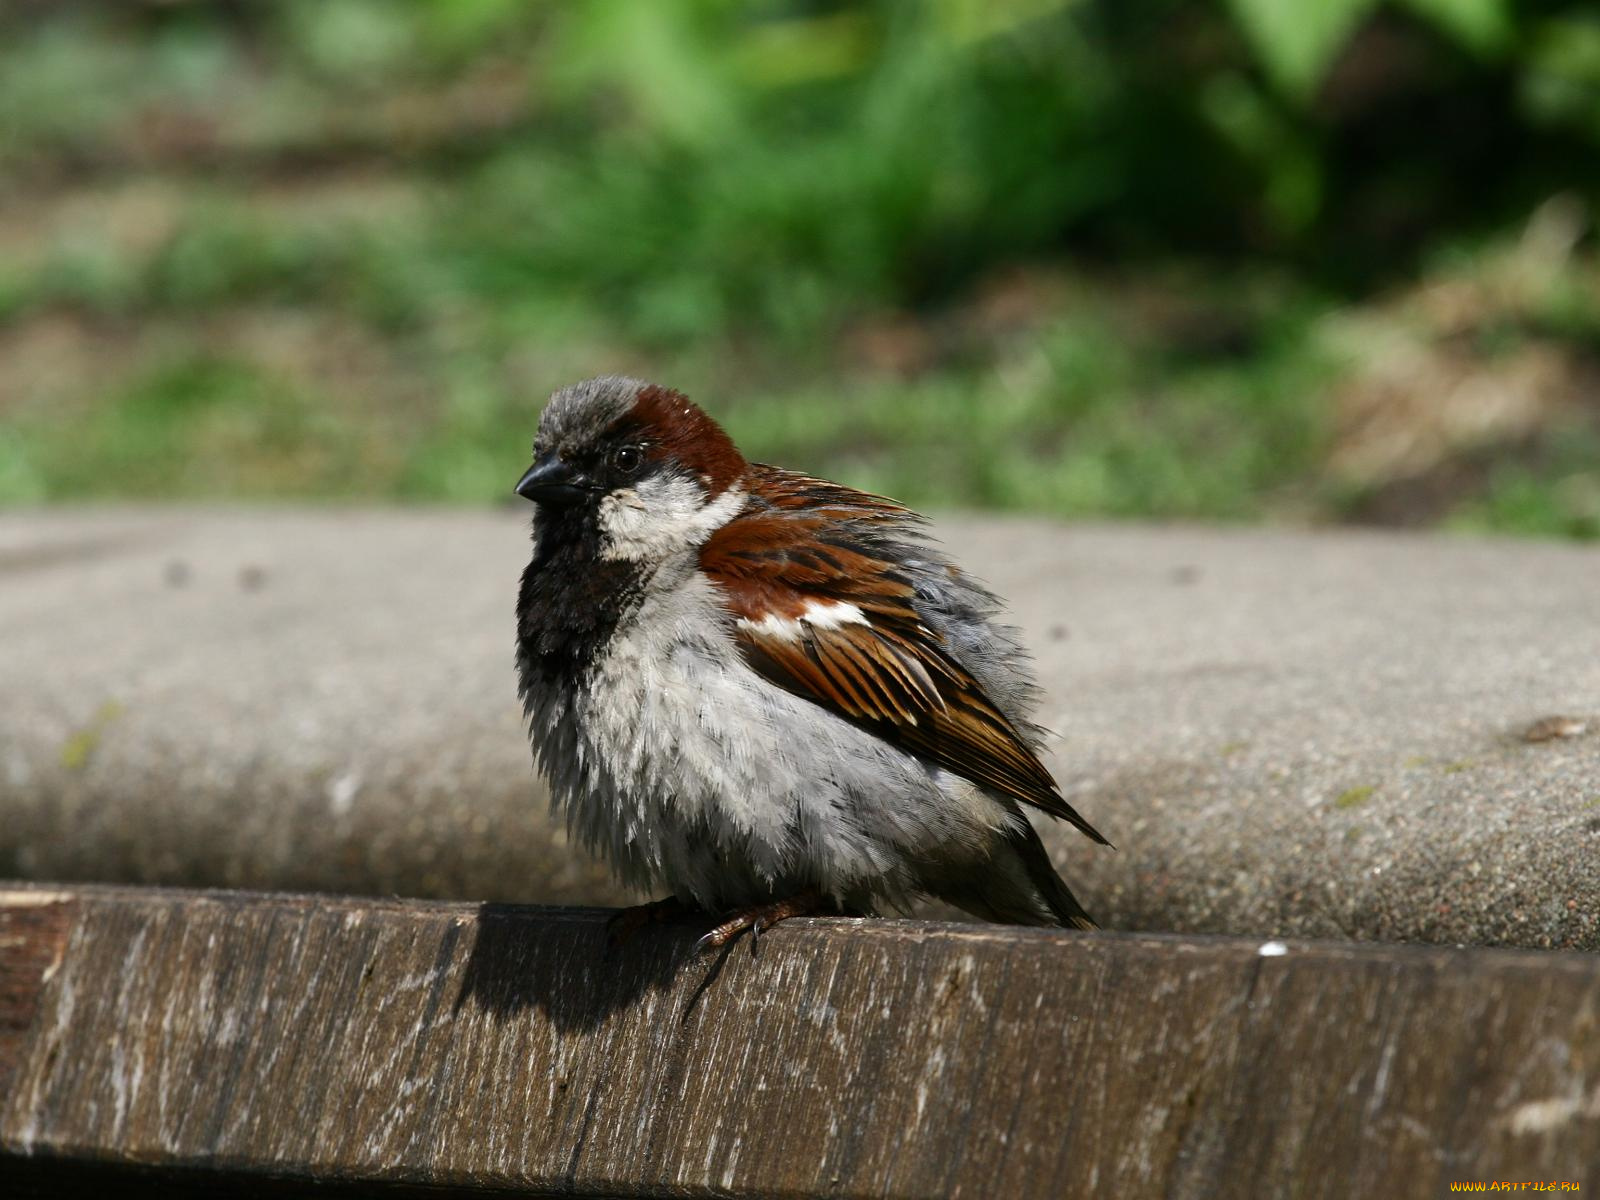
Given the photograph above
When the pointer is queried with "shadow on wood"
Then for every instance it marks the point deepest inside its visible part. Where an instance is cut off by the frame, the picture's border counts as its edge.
(575, 974)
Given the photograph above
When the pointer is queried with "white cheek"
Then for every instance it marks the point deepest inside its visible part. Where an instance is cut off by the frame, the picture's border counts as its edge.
(662, 516)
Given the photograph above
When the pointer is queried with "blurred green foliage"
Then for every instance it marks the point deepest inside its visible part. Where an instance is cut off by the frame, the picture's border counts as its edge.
(1075, 255)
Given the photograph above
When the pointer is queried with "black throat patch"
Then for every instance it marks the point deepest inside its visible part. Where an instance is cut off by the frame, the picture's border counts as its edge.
(571, 601)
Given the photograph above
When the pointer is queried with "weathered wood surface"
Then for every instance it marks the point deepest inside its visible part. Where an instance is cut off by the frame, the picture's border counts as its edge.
(157, 1041)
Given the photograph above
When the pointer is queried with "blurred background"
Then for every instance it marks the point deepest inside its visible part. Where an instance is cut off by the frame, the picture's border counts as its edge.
(1326, 262)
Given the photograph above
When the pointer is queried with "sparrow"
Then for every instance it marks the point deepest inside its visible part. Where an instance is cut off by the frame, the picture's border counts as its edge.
(767, 694)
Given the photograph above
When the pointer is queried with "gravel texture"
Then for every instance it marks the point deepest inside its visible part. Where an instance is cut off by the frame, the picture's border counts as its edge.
(1349, 735)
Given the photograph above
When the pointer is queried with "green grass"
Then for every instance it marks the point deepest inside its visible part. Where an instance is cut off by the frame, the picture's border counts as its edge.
(1065, 427)
(1021, 256)
(1560, 494)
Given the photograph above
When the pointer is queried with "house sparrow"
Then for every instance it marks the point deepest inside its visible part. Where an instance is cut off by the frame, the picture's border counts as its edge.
(765, 692)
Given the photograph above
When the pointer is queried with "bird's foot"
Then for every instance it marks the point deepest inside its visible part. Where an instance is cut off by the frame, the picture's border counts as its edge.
(626, 922)
(761, 917)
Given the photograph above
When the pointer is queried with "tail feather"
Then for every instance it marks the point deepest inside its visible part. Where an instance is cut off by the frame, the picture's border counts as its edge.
(1052, 889)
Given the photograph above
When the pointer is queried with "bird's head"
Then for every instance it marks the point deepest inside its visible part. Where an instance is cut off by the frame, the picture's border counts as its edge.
(634, 471)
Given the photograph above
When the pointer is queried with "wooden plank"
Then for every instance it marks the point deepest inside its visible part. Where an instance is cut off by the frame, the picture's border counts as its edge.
(33, 933)
(179, 1039)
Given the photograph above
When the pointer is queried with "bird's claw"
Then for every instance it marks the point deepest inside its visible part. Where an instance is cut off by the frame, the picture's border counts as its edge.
(759, 919)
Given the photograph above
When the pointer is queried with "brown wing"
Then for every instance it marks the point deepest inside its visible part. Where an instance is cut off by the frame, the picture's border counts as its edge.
(825, 613)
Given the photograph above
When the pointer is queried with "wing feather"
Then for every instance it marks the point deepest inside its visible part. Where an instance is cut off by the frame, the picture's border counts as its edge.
(823, 609)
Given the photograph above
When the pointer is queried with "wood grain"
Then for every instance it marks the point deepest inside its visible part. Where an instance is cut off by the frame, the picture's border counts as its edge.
(187, 1038)
(33, 933)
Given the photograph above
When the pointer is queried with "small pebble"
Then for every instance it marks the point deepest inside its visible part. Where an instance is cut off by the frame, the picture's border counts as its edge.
(1548, 729)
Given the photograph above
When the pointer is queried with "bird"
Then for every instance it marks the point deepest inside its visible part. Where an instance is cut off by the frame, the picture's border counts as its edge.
(767, 694)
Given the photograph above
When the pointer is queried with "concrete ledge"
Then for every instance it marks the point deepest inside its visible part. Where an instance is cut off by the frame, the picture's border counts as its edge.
(1286, 734)
(151, 1037)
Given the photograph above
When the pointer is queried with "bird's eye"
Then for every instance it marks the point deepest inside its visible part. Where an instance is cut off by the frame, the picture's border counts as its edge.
(627, 459)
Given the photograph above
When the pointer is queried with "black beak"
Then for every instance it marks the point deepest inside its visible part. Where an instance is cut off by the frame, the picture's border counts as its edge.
(552, 481)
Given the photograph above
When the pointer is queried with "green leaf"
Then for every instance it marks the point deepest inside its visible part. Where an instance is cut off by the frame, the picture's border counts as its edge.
(1483, 26)
(1296, 40)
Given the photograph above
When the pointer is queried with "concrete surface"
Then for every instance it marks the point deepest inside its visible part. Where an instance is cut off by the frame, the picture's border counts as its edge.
(1316, 735)
(157, 1043)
